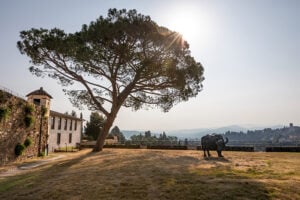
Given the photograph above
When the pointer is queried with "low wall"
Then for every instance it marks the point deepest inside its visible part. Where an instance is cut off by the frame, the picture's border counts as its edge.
(239, 148)
(235, 148)
(167, 147)
(282, 149)
(122, 146)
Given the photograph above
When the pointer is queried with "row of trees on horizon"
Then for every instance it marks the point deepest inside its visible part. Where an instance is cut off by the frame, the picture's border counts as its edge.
(275, 136)
(94, 127)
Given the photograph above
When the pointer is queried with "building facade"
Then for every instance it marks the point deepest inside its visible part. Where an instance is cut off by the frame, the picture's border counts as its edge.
(63, 130)
(110, 140)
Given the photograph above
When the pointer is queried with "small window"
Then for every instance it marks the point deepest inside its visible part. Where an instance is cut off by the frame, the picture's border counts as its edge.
(70, 138)
(58, 138)
(37, 102)
(75, 128)
(59, 123)
(66, 124)
(52, 122)
(71, 124)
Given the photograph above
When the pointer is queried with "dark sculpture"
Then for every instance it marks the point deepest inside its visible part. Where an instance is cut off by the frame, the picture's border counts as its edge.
(213, 142)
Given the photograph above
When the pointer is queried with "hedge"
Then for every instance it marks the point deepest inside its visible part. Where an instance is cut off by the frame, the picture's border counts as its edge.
(167, 147)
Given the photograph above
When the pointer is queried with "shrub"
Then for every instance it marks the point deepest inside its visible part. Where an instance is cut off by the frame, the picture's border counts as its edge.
(28, 142)
(1, 94)
(122, 146)
(4, 97)
(11, 105)
(44, 111)
(4, 113)
(170, 147)
(42, 154)
(29, 109)
(19, 149)
(28, 120)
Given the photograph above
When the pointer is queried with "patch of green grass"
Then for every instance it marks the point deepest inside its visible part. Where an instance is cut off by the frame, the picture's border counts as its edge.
(220, 172)
(68, 148)
(256, 173)
(10, 183)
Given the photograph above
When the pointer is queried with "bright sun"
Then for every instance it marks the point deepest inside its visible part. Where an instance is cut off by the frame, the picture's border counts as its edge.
(190, 22)
(186, 25)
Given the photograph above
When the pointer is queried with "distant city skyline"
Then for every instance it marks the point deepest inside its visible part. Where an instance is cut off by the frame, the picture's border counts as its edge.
(250, 51)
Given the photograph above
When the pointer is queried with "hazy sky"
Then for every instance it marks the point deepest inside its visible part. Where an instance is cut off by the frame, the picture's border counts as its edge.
(250, 51)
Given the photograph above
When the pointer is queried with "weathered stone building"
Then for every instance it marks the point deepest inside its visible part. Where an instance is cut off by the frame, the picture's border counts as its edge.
(111, 140)
(21, 121)
(33, 120)
(64, 130)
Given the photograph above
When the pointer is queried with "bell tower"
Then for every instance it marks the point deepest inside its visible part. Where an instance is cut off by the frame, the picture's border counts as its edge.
(40, 98)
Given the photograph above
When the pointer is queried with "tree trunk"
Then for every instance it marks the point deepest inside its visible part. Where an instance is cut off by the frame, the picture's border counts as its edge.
(101, 138)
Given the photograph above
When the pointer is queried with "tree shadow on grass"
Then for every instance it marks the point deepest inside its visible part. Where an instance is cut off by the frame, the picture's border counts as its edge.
(218, 159)
(65, 164)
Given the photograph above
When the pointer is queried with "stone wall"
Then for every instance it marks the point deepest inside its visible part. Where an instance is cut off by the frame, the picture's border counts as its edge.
(13, 129)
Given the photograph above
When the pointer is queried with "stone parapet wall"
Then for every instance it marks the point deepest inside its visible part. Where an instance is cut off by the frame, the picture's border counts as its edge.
(13, 129)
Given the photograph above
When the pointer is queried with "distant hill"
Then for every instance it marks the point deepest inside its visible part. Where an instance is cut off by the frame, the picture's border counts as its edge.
(198, 133)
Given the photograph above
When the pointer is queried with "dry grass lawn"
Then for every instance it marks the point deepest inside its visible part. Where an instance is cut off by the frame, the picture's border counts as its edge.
(159, 174)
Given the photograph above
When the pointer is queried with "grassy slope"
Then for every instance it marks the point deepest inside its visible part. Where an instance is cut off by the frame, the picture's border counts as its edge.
(158, 174)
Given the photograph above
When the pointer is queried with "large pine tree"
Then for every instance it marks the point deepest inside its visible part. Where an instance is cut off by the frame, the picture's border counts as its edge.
(125, 59)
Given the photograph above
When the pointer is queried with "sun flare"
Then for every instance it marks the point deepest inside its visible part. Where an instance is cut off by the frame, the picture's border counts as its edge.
(194, 25)
(186, 25)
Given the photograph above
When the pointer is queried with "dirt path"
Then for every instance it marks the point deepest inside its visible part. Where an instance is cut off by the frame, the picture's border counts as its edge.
(14, 169)
(26, 166)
